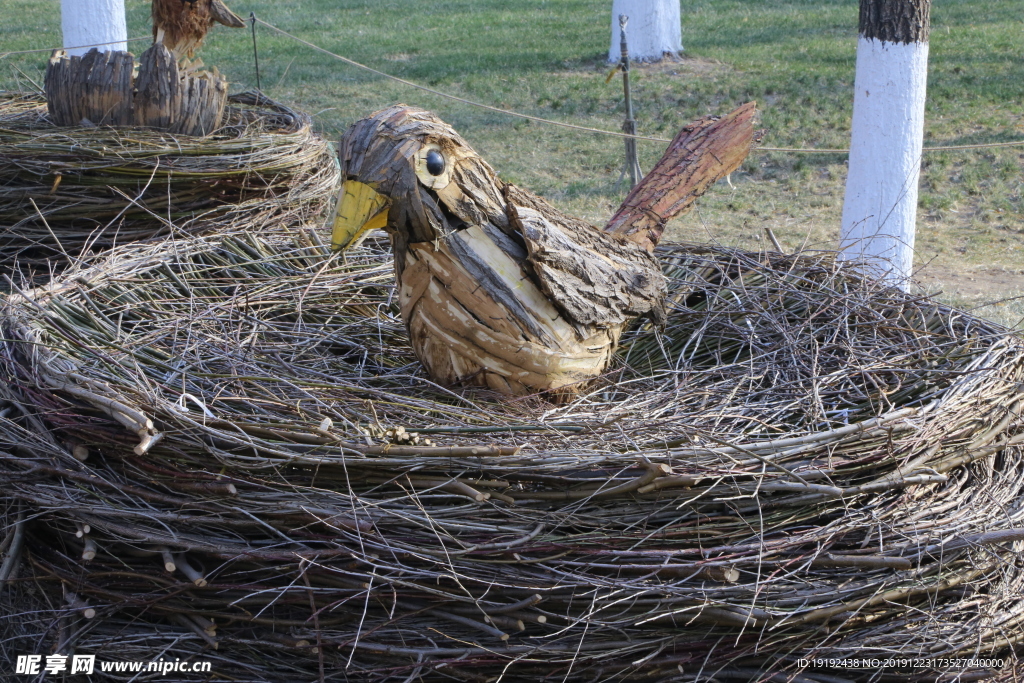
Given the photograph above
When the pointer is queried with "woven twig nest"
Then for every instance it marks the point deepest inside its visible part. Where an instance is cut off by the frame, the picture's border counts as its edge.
(67, 193)
(799, 465)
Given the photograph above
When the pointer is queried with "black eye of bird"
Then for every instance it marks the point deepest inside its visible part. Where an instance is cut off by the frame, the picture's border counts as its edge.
(435, 162)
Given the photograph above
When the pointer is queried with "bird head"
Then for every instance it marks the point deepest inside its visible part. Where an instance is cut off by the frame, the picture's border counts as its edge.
(407, 171)
(222, 14)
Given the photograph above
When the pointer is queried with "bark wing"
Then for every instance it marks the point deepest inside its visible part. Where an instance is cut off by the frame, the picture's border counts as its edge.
(594, 278)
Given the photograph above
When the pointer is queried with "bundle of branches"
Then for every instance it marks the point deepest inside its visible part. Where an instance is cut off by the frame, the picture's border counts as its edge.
(222, 449)
(69, 192)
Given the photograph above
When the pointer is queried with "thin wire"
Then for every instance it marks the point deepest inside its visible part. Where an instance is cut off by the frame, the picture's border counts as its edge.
(804, 150)
(611, 133)
(586, 128)
(76, 47)
(1014, 143)
(455, 97)
(944, 148)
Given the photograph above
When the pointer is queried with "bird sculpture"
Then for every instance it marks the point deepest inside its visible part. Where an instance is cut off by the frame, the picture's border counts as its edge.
(181, 25)
(498, 288)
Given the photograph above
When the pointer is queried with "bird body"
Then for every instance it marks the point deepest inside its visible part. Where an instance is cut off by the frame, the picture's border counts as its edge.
(497, 287)
(181, 25)
(504, 334)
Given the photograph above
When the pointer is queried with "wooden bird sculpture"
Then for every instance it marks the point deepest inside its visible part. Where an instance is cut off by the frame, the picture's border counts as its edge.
(181, 25)
(497, 287)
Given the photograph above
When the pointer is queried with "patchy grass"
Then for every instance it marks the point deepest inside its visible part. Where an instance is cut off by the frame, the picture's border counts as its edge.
(546, 57)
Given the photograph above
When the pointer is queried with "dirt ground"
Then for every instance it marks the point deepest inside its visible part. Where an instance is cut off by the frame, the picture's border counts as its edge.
(975, 283)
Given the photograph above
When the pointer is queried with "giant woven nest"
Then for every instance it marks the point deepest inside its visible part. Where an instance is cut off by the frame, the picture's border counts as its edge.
(69, 193)
(800, 465)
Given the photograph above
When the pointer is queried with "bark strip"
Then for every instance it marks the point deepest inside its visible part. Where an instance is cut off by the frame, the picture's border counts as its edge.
(94, 89)
(171, 99)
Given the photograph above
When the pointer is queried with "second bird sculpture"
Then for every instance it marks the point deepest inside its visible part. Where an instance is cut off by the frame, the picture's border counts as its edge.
(497, 287)
(181, 25)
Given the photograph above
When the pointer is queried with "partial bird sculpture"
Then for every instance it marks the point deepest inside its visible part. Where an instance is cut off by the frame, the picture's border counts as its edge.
(181, 25)
(497, 287)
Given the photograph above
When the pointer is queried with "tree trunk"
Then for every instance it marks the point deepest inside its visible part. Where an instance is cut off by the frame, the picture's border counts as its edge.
(654, 29)
(89, 22)
(880, 208)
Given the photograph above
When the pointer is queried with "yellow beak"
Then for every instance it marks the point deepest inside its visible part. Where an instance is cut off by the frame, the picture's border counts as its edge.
(360, 210)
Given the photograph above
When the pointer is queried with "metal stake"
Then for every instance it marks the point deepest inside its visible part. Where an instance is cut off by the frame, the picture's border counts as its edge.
(632, 167)
(255, 53)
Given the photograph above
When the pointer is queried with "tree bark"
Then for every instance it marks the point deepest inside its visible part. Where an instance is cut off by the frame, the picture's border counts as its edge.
(880, 207)
(896, 21)
(92, 90)
(654, 29)
(157, 89)
(168, 99)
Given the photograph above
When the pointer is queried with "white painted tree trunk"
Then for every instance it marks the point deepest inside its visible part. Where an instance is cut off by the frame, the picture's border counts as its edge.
(880, 209)
(89, 22)
(654, 29)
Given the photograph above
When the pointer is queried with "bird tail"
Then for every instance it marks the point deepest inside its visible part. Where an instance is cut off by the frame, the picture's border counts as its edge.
(703, 152)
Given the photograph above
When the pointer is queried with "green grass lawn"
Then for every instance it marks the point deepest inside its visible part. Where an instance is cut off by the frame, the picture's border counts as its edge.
(546, 57)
